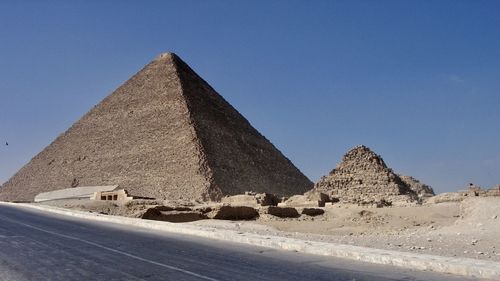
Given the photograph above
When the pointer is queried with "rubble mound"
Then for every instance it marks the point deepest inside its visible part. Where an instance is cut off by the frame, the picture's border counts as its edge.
(312, 211)
(170, 214)
(312, 198)
(362, 177)
(226, 212)
(445, 198)
(165, 134)
(251, 199)
(282, 212)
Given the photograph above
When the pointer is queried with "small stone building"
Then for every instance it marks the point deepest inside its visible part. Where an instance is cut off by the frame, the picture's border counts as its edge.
(120, 195)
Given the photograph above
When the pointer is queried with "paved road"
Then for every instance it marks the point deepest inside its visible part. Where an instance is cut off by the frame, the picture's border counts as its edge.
(40, 246)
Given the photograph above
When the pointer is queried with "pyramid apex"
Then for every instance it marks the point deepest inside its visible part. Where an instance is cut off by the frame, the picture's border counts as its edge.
(360, 149)
(362, 154)
(166, 56)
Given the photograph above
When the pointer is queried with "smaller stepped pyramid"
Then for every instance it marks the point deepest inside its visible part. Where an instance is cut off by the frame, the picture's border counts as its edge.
(363, 176)
(167, 134)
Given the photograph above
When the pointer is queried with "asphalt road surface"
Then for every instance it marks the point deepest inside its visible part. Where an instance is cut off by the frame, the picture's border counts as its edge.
(41, 246)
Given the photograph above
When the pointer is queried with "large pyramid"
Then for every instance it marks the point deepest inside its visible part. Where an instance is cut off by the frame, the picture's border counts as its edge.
(165, 133)
(363, 176)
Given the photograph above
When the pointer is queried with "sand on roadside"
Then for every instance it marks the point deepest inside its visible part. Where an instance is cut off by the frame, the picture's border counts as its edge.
(456, 229)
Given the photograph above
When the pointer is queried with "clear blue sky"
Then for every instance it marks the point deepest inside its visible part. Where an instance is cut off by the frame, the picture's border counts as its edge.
(417, 81)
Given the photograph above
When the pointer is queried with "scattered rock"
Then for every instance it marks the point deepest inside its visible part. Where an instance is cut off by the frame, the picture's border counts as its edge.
(312, 198)
(282, 212)
(316, 196)
(225, 212)
(172, 208)
(383, 203)
(203, 209)
(251, 199)
(172, 215)
(364, 213)
(312, 211)
(267, 199)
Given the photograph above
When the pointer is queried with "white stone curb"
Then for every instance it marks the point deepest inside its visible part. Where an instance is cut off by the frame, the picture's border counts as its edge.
(459, 266)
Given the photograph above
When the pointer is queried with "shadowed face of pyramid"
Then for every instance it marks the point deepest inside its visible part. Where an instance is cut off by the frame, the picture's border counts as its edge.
(165, 133)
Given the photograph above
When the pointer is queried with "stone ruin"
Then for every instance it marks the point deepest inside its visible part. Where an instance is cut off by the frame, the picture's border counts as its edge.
(363, 178)
(167, 134)
(248, 206)
(474, 190)
(116, 196)
(251, 199)
(471, 191)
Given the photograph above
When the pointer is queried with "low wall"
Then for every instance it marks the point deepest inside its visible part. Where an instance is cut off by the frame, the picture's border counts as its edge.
(75, 192)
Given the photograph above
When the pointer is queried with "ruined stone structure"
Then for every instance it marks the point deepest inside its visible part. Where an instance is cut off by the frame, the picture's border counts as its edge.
(471, 191)
(495, 191)
(119, 195)
(363, 177)
(165, 133)
(474, 190)
(81, 192)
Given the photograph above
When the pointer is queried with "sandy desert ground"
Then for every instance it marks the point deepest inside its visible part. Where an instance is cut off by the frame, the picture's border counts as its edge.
(458, 229)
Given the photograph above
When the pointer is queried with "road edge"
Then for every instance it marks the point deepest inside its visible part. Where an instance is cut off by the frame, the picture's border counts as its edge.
(458, 266)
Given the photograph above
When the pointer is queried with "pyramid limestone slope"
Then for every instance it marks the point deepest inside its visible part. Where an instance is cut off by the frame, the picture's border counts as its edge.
(363, 176)
(164, 133)
(421, 189)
